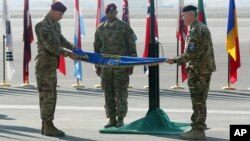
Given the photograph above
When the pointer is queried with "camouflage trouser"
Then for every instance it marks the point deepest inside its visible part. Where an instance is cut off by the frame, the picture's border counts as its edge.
(115, 86)
(46, 83)
(199, 86)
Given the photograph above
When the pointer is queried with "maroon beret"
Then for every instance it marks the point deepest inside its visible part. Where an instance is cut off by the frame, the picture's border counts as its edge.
(58, 6)
(110, 7)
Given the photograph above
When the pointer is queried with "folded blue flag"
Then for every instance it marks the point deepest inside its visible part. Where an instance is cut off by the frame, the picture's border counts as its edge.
(116, 60)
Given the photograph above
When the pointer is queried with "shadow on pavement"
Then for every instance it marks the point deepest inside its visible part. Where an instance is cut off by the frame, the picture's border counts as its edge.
(72, 138)
(22, 132)
(5, 117)
(18, 131)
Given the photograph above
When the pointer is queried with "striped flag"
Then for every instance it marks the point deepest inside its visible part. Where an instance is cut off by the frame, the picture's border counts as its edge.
(201, 12)
(79, 32)
(181, 33)
(232, 44)
(100, 15)
(147, 35)
(125, 14)
(28, 39)
(8, 39)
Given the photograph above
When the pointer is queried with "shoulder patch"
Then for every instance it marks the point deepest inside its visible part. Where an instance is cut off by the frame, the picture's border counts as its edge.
(191, 46)
(134, 37)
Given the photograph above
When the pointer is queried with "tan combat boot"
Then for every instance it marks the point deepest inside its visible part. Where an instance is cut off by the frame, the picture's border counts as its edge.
(111, 123)
(42, 129)
(120, 122)
(51, 130)
(194, 134)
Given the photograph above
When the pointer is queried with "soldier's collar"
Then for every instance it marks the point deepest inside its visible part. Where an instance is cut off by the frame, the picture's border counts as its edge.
(49, 20)
(111, 24)
(193, 24)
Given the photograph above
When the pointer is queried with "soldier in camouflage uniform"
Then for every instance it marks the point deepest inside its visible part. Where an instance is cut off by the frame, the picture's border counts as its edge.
(115, 37)
(50, 45)
(199, 55)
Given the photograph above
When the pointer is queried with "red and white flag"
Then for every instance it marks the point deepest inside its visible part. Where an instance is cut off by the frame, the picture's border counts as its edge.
(100, 14)
(181, 33)
(79, 32)
(148, 35)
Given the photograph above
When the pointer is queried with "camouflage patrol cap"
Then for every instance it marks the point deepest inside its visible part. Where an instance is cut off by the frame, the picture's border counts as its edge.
(110, 7)
(58, 6)
(189, 8)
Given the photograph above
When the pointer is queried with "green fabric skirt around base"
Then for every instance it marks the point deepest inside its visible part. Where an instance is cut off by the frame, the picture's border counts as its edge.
(156, 122)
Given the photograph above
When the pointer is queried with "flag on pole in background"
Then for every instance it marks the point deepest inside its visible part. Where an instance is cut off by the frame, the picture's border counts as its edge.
(100, 15)
(79, 32)
(201, 12)
(28, 39)
(62, 64)
(8, 39)
(125, 14)
(181, 33)
(232, 44)
(147, 35)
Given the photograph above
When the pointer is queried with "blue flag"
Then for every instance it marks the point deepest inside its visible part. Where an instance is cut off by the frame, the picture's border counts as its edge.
(107, 60)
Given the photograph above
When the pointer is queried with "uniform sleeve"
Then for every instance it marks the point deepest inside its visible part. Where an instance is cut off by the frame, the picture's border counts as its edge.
(97, 42)
(196, 47)
(66, 44)
(130, 39)
(47, 40)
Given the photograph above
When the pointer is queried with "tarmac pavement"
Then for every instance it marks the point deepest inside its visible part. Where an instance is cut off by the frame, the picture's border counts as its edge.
(80, 113)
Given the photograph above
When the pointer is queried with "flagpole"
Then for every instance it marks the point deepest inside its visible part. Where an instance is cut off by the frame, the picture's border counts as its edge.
(4, 84)
(27, 42)
(177, 86)
(78, 85)
(100, 10)
(154, 101)
(78, 44)
(228, 87)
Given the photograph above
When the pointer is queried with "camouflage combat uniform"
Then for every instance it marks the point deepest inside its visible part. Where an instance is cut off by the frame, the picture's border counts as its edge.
(50, 45)
(118, 39)
(199, 55)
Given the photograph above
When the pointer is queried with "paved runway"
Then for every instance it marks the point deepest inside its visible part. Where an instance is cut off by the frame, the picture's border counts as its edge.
(80, 113)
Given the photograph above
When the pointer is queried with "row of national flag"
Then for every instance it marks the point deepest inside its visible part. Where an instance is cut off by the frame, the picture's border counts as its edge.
(232, 42)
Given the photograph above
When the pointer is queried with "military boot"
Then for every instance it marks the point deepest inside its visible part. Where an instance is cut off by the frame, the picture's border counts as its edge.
(42, 129)
(111, 123)
(51, 130)
(120, 122)
(194, 134)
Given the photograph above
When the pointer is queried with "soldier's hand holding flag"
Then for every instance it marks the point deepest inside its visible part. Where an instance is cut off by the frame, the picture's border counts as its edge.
(76, 57)
(170, 61)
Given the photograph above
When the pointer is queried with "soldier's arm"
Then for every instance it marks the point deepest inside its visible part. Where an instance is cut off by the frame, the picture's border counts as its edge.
(47, 40)
(97, 43)
(198, 50)
(131, 38)
(66, 44)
